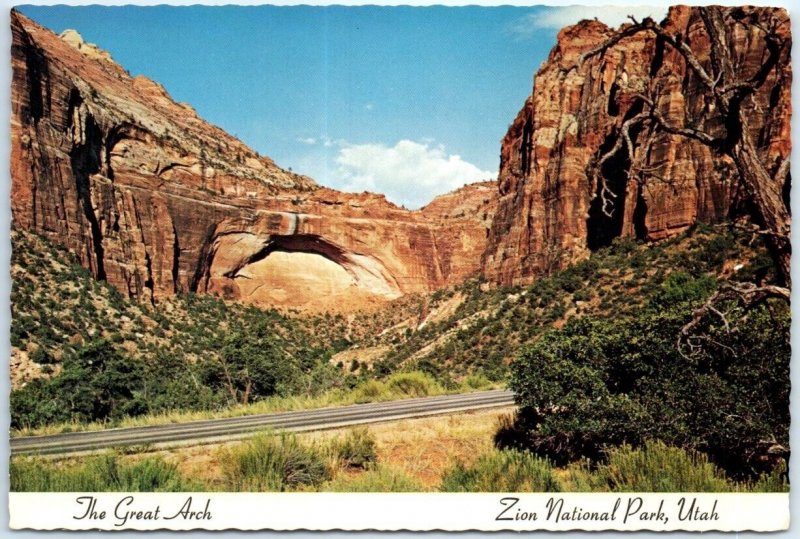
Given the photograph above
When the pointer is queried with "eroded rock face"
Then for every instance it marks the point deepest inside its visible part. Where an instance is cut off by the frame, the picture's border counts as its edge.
(549, 215)
(157, 201)
(464, 218)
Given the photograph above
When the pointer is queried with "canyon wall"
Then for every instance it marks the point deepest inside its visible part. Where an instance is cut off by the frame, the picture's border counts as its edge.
(549, 211)
(157, 201)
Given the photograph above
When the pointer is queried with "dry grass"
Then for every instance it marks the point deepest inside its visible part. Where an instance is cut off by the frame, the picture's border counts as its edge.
(416, 454)
(426, 447)
(423, 448)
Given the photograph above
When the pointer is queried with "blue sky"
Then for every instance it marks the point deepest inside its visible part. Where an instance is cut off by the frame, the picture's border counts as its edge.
(411, 102)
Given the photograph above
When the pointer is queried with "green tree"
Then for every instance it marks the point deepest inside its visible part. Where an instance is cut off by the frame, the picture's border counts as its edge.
(96, 382)
(598, 382)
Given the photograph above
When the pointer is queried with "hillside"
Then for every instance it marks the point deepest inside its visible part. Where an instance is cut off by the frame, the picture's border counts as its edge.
(62, 317)
(190, 352)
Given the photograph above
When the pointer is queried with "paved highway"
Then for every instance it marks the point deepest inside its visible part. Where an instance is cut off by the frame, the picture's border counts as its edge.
(231, 428)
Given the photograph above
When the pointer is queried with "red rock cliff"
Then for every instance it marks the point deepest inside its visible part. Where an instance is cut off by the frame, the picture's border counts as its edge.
(549, 212)
(157, 201)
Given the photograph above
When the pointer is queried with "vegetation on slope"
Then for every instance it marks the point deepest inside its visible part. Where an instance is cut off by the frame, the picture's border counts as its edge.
(593, 352)
(84, 353)
(489, 326)
(348, 463)
(718, 384)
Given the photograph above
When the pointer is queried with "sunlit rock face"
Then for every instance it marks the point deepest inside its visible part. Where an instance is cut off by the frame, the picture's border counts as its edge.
(295, 278)
(156, 201)
(299, 271)
(549, 214)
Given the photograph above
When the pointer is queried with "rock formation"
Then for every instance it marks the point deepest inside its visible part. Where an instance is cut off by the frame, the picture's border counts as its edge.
(550, 211)
(157, 201)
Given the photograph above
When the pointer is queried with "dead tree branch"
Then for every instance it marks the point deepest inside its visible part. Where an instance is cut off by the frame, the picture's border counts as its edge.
(747, 295)
(726, 88)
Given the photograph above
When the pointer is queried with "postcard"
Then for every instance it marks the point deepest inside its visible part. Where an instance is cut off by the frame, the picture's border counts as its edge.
(320, 267)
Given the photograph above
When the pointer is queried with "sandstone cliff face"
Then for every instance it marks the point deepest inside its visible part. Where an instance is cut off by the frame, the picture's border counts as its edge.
(464, 218)
(157, 201)
(549, 213)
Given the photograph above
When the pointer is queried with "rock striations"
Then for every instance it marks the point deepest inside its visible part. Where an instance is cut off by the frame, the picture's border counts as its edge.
(157, 201)
(549, 212)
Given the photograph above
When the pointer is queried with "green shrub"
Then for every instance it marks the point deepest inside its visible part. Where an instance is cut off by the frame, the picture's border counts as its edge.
(356, 450)
(623, 246)
(757, 269)
(568, 280)
(370, 391)
(714, 251)
(273, 463)
(42, 356)
(502, 471)
(477, 381)
(658, 468)
(598, 382)
(583, 294)
(106, 473)
(680, 288)
(412, 384)
(775, 481)
(97, 382)
(379, 479)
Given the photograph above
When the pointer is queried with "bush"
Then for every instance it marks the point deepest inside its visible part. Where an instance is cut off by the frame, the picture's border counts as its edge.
(681, 288)
(97, 382)
(658, 468)
(104, 473)
(356, 450)
(273, 463)
(379, 479)
(42, 356)
(502, 471)
(582, 295)
(477, 381)
(775, 481)
(413, 384)
(568, 280)
(598, 382)
(370, 391)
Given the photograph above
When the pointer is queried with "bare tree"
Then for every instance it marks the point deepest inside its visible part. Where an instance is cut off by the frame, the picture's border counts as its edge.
(726, 90)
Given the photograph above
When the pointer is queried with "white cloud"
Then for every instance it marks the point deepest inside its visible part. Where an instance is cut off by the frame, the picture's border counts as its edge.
(310, 141)
(369, 106)
(409, 173)
(559, 17)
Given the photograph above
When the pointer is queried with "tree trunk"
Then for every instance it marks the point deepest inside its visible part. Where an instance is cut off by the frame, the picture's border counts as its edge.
(765, 192)
(767, 198)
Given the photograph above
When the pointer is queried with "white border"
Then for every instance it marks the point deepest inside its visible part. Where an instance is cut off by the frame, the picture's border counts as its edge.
(5, 214)
(414, 512)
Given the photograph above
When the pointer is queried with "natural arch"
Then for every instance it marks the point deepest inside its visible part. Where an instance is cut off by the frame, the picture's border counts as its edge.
(297, 271)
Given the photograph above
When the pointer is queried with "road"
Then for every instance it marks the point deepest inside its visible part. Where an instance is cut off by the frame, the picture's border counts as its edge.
(231, 428)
